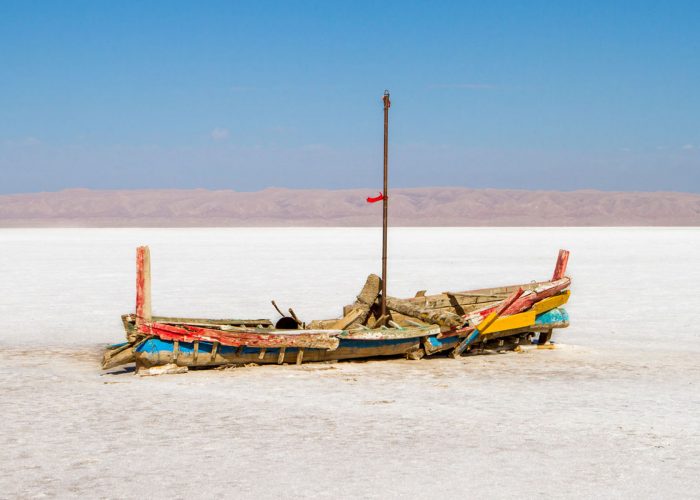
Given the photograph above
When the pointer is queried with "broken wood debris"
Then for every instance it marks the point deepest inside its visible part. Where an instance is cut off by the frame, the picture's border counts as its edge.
(442, 318)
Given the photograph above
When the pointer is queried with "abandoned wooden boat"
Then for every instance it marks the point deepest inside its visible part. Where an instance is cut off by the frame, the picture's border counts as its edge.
(452, 323)
(375, 325)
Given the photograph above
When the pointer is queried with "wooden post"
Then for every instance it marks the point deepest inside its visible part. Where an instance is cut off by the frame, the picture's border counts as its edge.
(385, 201)
(143, 285)
(560, 268)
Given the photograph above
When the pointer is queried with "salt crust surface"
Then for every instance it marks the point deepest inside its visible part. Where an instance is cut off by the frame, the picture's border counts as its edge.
(613, 412)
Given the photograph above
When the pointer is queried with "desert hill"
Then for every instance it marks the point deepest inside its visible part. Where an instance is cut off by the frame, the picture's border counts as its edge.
(288, 207)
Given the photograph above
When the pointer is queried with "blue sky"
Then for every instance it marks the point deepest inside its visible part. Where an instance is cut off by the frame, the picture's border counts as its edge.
(248, 95)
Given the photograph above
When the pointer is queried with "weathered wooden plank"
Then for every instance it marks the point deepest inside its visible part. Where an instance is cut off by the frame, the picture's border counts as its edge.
(321, 324)
(415, 354)
(468, 301)
(119, 356)
(169, 369)
(201, 321)
(350, 318)
(472, 297)
(532, 296)
(377, 322)
(129, 322)
(366, 299)
(212, 322)
(411, 321)
(370, 290)
(511, 322)
(550, 303)
(477, 295)
(254, 337)
(132, 333)
(434, 344)
(390, 333)
(443, 318)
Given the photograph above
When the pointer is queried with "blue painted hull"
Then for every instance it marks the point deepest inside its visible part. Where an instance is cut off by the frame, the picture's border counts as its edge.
(155, 352)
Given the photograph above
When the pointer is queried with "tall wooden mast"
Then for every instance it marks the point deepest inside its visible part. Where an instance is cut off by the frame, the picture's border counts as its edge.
(385, 201)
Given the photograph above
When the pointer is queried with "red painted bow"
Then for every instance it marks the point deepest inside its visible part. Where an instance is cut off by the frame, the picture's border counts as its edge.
(375, 199)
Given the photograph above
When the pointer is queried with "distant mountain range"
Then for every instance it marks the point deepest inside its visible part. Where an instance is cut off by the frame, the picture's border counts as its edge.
(289, 207)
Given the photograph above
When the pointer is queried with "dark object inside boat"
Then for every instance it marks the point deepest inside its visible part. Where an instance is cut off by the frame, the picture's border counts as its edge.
(287, 323)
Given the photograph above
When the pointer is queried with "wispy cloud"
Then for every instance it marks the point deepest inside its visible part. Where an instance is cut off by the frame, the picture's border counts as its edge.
(220, 134)
(467, 86)
(688, 147)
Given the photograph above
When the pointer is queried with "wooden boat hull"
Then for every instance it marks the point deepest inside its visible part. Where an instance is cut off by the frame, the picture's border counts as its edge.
(155, 352)
(473, 321)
